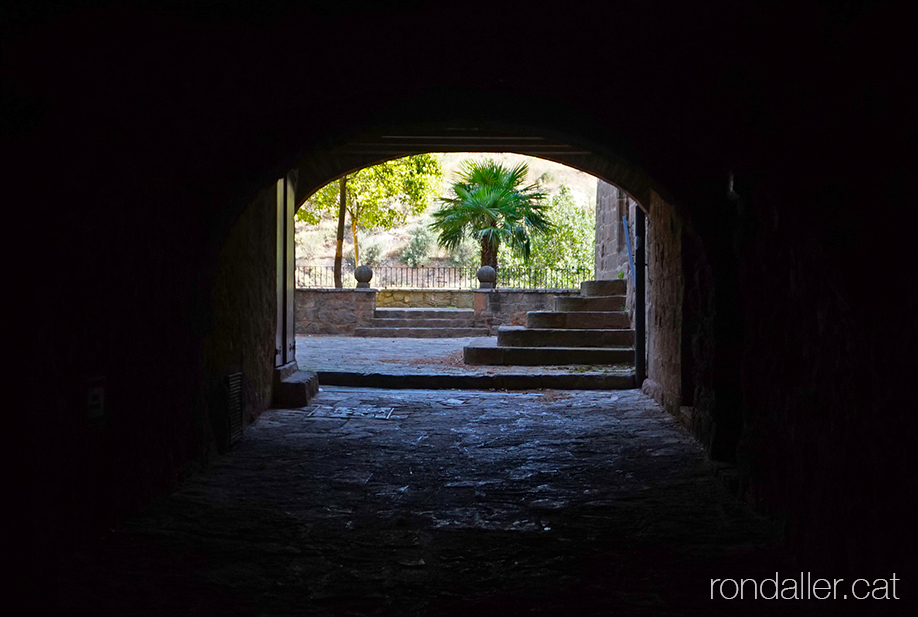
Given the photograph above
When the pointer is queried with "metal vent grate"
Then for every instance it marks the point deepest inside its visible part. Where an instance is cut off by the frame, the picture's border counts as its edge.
(234, 406)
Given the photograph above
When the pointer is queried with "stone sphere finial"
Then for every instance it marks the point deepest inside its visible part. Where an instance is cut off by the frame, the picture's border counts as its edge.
(487, 277)
(363, 274)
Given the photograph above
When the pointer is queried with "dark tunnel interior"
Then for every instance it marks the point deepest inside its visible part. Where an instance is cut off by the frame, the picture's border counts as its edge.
(768, 143)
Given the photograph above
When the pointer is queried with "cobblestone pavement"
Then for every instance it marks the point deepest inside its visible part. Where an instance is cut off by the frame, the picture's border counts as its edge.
(413, 356)
(408, 502)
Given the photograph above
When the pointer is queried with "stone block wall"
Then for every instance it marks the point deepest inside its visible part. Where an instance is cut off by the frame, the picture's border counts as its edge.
(699, 348)
(242, 332)
(508, 307)
(664, 304)
(611, 248)
(664, 282)
(611, 258)
(424, 298)
(333, 311)
(826, 368)
(340, 311)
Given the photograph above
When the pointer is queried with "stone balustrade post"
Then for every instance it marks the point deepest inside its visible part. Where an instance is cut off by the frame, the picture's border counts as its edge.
(363, 274)
(487, 277)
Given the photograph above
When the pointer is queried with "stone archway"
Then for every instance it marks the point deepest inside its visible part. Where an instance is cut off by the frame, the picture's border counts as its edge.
(669, 360)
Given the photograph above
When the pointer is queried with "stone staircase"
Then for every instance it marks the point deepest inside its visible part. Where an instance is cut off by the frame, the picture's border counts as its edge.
(592, 328)
(422, 323)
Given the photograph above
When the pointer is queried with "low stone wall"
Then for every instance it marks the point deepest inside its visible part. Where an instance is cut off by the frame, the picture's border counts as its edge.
(424, 298)
(340, 311)
(508, 307)
(333, 311)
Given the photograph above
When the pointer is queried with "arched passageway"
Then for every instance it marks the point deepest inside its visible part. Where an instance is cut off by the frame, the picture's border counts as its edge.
(158, 131)
(673, 323)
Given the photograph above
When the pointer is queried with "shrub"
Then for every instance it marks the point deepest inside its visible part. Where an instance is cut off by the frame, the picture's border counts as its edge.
(417, 251)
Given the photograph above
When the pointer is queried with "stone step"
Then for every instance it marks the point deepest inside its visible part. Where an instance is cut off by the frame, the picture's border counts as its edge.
(593, 303)
(610, 287)
(422, 313)
(574, 380)
(421, 322)
(495, 355)
(295, 390)
(420, 332)
(578, 319)
(518, 336)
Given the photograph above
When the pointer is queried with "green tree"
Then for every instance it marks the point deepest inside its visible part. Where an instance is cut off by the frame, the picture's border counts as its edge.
(417, 250)
(377, 197)
(490, 204)
(570, 242)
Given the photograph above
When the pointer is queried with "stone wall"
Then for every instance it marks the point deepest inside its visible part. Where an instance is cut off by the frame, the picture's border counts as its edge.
(664, 286)
(242, 332)
(664, 304)
(828, 350)
(424, 298)
(508, 307)
(611, 248)
(698, 342)
(333, 311)
(340, 311)
(611, 258)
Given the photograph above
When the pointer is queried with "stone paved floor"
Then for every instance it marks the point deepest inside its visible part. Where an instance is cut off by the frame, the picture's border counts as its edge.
(414, 356)
(408, 502)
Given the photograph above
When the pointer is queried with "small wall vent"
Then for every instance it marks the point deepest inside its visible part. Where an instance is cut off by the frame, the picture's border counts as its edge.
(234, 407)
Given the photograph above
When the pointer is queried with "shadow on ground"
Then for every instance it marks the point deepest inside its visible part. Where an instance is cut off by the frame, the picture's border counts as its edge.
(371, 502)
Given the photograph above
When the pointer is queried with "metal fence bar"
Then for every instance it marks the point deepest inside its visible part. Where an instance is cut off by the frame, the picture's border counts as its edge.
(446, 277)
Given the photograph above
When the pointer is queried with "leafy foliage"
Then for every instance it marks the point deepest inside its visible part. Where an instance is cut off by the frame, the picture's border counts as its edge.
(417, 251)
(311, 212)
(491, 204)
(568, 244)
(381, 196)
(372, 255)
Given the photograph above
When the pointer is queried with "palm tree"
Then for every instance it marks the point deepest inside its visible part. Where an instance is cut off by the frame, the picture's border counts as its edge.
(491, 205)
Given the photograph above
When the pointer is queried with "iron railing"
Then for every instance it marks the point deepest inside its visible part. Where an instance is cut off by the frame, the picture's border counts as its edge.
(404, 277)
(323, 277)
(542, 278)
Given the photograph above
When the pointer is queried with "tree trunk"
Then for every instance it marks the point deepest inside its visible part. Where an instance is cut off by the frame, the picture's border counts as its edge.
(342, 202)
(354, 235)
(488, 254)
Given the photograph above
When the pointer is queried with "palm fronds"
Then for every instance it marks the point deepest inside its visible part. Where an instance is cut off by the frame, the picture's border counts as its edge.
(490, 204)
